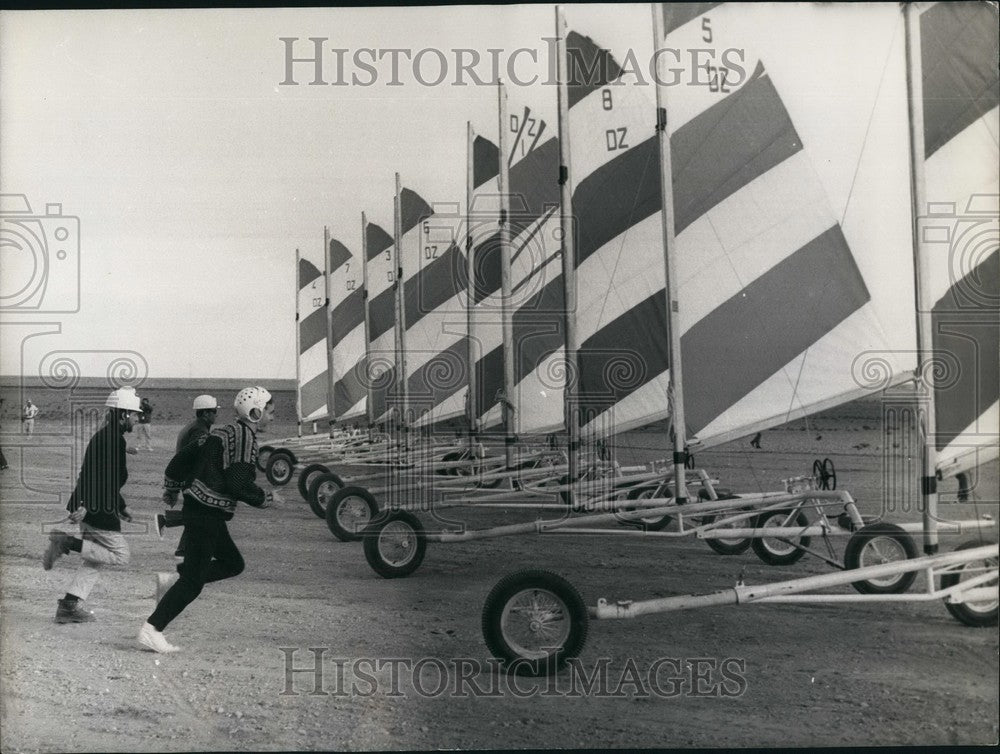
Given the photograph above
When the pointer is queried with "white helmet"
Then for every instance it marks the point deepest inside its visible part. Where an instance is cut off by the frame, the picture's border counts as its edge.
(250, 403)
(124, 398)
(205, 401)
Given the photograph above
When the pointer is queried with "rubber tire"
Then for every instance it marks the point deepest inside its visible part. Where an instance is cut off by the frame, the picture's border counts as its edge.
(653, 524)
(281, 460)
(962, 612)
(856, 545)
(316, 505)
(767, 555)
(718, 545)
(492, 623)
(449, 458)
(373, 533)
(263, 456)
(305, 482)
(332, 508)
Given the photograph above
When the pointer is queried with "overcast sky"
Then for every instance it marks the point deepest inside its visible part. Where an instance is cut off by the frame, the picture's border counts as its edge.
(195, 173)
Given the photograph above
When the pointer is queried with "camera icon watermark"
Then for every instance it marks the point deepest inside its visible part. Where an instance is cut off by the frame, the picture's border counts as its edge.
(535, 235)
(965, 240)
(40, 258)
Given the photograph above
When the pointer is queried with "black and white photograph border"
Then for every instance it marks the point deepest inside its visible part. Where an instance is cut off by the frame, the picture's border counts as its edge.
(521, 376)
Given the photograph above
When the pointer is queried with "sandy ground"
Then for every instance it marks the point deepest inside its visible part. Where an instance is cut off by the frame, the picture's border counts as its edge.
(730, 676)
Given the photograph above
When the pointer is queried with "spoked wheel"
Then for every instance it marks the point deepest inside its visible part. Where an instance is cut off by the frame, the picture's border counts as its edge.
(877, 544)
(395, 544)
(825, 474)
(534, 621)
(306, 477)
(321, 491)
(279, 468)
(976, 614)
(263, 455)
(785, 550)
(648, 523)
(347, 511)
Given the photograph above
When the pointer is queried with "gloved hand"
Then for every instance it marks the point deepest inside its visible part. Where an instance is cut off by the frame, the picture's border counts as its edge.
(170, 498)
(77, 515)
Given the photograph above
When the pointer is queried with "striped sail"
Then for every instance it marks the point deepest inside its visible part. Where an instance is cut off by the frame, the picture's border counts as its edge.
(788, 274)
(485, 322)
(434, 278)
(537, 307)
(620, 317)
(313, 374)
(959, 226)
(381, 357)
(347, 331)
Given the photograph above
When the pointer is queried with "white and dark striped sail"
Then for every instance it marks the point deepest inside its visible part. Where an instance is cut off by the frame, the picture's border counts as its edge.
(537, 307)
(352, 348)
(959, 226)
(793, 241)
(347, 331)
(620, 316)
(381, 357)
(485, 320)
(434, 277)
(313, 374)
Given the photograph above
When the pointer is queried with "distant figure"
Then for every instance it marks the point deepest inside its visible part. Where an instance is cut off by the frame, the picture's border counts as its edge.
(214, 476)
(145, 425)
(28, 415)
(205, 410)
(755, 442)
(963, 486)
(98, 506)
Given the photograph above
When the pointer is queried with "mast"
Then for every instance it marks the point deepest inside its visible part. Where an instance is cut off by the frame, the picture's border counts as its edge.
(571, 409)
(330, 380)
(369, 403)
(298, 351)
(510, 416)
(925, 341)
(676, 395)
(470, 267)
(400, 319)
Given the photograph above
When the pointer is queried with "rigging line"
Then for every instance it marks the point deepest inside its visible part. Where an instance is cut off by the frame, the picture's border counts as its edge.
(871, 117)
(854, 179)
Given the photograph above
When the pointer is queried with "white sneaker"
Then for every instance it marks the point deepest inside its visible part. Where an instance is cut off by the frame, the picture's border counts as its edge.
(152, 639)
(164, 581)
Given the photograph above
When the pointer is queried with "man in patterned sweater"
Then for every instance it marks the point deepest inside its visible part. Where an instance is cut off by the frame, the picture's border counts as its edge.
(214, 476)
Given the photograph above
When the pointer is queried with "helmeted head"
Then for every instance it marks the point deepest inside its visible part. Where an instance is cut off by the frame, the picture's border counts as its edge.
(123, 407)
(254, 404)
(206, 407)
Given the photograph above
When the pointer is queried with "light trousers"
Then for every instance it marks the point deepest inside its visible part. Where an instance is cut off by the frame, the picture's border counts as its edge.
(100, 548)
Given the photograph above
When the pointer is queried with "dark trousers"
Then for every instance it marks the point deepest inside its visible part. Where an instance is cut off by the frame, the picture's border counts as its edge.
(172, 518)
(210, 555)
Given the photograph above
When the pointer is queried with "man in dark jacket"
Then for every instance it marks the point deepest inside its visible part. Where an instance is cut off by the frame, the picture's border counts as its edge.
(98, 506)
(214, 476)
(205, 410)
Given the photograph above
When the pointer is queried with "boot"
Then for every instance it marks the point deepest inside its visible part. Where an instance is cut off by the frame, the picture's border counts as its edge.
(59, 542)
(69, 611)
